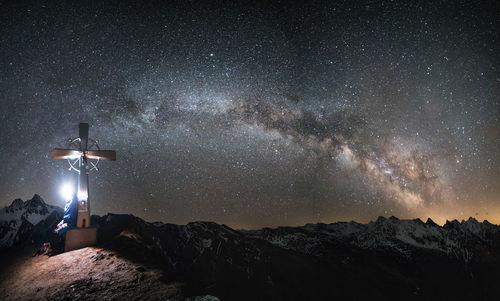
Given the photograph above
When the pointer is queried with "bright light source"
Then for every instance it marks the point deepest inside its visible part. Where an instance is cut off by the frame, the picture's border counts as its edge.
(67, 191)
(82, 195)
(74, 156)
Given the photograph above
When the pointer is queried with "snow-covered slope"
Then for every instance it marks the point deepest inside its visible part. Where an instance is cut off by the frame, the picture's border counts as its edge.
(321, 261)
(20, 218)
(403, 236)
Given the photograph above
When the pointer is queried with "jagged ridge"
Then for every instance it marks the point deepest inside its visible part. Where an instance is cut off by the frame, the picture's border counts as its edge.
(19, 221)
(315, 261)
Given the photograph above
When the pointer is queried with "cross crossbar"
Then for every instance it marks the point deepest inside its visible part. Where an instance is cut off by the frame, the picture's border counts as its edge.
(101, 154)
(62, 153)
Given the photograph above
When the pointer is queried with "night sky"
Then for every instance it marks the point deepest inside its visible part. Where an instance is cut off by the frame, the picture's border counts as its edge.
(255, 114)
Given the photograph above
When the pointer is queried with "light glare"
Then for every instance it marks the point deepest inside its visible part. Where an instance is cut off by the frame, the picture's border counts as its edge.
(67, 191)
(82, 195)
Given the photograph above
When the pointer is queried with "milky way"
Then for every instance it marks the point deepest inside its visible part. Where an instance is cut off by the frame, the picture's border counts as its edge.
(258, 114)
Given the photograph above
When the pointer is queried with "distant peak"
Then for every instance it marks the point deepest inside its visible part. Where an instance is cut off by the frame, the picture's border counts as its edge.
(202, 224)
(37, 198)
(17, 203)
(431, 222)
(472, 220)
(450, 224)
(35, 201)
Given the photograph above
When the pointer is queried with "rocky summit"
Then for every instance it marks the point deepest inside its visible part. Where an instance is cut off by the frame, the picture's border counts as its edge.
(134, 259)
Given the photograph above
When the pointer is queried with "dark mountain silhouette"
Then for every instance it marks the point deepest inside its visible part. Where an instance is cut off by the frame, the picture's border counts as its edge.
(388, 258)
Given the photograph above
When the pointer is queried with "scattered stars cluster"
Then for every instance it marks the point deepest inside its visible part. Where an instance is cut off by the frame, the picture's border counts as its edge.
(259, 114)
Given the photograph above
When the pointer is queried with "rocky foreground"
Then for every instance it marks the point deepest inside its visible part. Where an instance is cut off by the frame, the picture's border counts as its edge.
(134, 259)
(85, 274)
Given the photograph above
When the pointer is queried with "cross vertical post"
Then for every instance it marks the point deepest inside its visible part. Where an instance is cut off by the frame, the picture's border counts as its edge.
(83, 220)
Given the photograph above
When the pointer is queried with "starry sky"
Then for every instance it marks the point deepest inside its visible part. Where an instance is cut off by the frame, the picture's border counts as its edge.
(257, 114)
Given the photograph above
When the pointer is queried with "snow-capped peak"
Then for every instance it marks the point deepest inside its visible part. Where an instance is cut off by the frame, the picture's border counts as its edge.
(23, 215)
(384, 233)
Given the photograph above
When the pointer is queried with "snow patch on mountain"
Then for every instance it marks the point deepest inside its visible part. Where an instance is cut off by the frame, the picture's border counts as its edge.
(22, 215)
(403, 236)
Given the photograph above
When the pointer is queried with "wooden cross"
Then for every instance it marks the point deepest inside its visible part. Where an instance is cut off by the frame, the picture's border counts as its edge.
(83, 154)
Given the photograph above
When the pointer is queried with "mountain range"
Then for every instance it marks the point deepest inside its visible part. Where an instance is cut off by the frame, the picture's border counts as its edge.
(387, 258)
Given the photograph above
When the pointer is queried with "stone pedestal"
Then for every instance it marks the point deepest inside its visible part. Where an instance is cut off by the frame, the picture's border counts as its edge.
(80, 238)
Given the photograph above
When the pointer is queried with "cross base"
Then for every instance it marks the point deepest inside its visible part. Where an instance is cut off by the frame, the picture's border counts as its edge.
(80, 238)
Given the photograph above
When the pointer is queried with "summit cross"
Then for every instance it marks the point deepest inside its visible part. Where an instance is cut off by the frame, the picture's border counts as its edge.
(79, 153)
